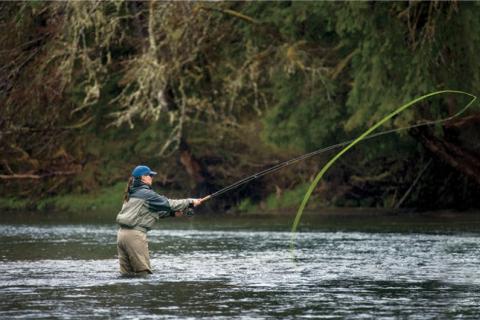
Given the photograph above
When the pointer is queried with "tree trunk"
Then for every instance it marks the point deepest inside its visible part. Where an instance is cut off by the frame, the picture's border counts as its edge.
(464, 161)
(464, 121)
(196, 170)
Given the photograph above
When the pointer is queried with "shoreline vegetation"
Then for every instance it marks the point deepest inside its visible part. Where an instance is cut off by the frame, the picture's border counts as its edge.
(107, 201)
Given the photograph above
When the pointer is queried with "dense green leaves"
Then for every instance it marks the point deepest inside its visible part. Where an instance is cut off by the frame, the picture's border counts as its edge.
(93, 88)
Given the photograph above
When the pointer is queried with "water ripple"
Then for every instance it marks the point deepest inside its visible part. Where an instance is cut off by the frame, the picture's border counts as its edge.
(71, 271)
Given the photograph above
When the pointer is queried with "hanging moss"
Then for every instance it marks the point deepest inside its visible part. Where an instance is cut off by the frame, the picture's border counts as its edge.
(91, 89)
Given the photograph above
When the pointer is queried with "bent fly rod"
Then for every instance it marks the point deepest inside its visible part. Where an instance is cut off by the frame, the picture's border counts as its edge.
(349, 143)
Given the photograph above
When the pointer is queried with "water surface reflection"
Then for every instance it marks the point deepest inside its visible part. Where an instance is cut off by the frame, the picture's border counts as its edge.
(70, 271)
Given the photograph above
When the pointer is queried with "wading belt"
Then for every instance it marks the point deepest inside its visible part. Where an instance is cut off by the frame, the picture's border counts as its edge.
(124, 226)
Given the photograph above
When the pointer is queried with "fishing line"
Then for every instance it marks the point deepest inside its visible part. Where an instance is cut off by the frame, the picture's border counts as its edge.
(366, 135)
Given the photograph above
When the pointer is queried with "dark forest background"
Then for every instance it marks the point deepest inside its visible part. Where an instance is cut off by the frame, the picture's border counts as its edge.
(207, 93)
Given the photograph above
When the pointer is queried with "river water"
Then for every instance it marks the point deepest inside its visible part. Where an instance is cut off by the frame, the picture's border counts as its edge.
(242, 268)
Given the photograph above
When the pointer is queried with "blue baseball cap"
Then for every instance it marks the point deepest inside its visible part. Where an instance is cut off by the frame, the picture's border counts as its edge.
(142, 171)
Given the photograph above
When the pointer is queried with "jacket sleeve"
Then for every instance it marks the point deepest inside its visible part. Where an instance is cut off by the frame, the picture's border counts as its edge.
(157, 203)
(165, 207)
(180, 204)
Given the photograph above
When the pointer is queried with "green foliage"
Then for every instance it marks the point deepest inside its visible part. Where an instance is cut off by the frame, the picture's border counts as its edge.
(96, 88)
(304, 120)
(247, 206)
(107, 200)
(13, 204)
(394, 64)
(288, 199)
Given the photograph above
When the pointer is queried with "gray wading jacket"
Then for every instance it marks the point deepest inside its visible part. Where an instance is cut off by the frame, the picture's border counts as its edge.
(145, 207)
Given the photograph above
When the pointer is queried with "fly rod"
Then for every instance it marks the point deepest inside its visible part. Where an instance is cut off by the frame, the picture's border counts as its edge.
(326, 149)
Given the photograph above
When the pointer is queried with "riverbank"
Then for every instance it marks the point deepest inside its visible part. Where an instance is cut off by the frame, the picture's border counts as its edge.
(275, 212)
(101, 202)
(109, 199)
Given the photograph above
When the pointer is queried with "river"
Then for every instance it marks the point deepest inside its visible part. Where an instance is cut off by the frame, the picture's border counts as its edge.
(244, 268)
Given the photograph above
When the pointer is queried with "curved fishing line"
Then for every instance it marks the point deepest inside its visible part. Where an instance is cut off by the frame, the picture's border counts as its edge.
(366, 135)
(329, 148)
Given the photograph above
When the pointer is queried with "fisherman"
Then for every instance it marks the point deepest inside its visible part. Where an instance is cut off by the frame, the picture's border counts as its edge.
(142, 207)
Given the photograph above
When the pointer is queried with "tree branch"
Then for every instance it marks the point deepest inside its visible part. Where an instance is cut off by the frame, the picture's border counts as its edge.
(36, 176)
(420, 174)
(232, 13)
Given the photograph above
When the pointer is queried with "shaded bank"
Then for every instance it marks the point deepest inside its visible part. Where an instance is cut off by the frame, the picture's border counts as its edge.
(278, 208)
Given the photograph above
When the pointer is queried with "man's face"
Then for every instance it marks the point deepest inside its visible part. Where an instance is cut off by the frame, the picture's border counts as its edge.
(147, 180)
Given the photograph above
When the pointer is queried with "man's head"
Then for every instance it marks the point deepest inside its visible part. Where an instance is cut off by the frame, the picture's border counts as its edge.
(143, 173)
